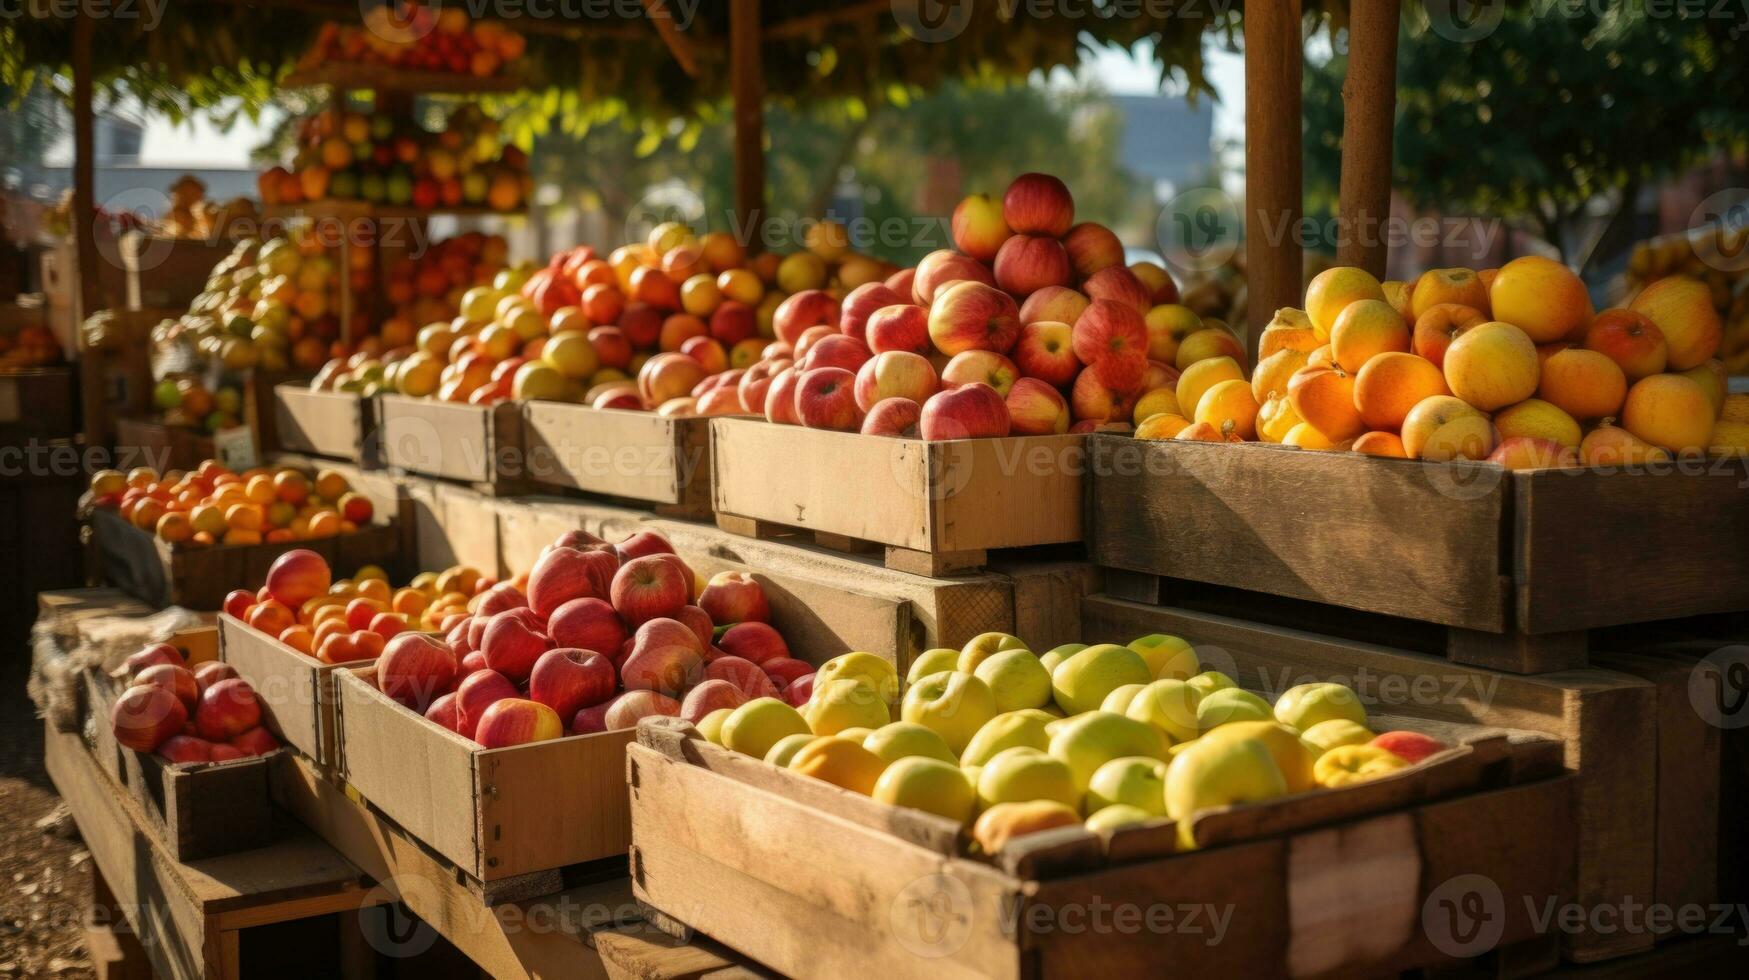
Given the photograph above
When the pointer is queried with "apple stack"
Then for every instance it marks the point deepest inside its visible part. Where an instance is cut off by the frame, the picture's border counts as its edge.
(268, 304)
(1507, 365)
(210, 505)
(418, 37)
(1105, 735)
(208, 714)
(602, 635)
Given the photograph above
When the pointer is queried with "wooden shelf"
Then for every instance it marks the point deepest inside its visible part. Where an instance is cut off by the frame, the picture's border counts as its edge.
(353, 209)
(351, 76)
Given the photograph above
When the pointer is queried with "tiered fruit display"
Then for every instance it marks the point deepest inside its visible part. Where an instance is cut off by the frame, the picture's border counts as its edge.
(211, 505)
(268, 304)
(598, 636)
(1687, 254)
(1012, 742)
(188, 716)
(1033, 326)
(186, 400)
(418, 37)
(384, 159)
(28, 347)
(1507, 365)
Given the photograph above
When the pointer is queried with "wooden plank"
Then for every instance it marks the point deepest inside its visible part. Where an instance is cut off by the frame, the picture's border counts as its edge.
(459, 442)
(296, 691)
(635, 455)
(326, 423)
(1362, 533)
(1369, 102)
(454, 525)
(1047, 599)
(1004, 493)
(1273, 56)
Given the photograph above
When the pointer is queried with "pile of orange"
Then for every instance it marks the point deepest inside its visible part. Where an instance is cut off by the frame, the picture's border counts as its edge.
(210, 505)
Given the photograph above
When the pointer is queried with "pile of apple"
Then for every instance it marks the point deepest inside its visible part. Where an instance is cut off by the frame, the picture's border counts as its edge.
(599, 636)
(208, 714)
(387, 159)
(1507, 365)
(1104, 735)
(187, 401)
(210, 505)
(418, 37)
(267, 304)
(1690, 253)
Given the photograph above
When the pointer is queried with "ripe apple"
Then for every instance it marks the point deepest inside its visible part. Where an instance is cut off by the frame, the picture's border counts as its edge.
(861, 303)
(211, 672)
(1631, 340)
(1083, 680)
(903, 282)
(971, 366)
(1093, 400)
(780, 397)
(1058, 303)
(631, 707)
(1028, 263)
(1438, 326)
(568, 680)
(1533, 453)
(748, 677)
(973, 316)
(786, 672)
(951, 704)
(1112, 340)
(227, 709)
(185, 749)
(646, 588)
(157, 653)
(899, 327)
(754, 641)
(1092, 247)
(1445, 427)
(1683, 310)
(1036, 408)
(1038, 204)
(943, 266)
(970, 411)
(666, 657)
(298, 576)
(1411, 747)
(177, 680)
(756, 381)
(711, 696)
(837, 350)
(977, 226)
(893, 417)
(415, 668)
(512, 641)
(477, 692)
(811, 336)
(928, 784)
(145, 716)
(735, 597)
(1670, 411)
(255, 741)
(1046, 351)
(443, 712)
(1543, 299)
(517, 721)
(808, 308)
(1118, 284)
(1158, 282)
(895, 374)
(701, 624)
(826, 399)
(669, 374)
(1491, 366)
(563, 574)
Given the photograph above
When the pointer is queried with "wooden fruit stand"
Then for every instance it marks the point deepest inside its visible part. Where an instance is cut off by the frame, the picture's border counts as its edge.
(639, 457)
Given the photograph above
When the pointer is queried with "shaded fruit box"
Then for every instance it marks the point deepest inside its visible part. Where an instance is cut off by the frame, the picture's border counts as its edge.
(198, 810)
(296, 690)
(164, 574)
(515, 821)
(934, 507)
(335, 424)
(1516, 566)
(628, 455)
(479, 444)
(1329, 882)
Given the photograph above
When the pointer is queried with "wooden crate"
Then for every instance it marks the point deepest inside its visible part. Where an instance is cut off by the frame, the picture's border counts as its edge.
(337, 424)
(163, 574)
(196, 811)
(472, 443)
(296, 690)
(1515, 566)
(889, 891)
(934, 507)
(36, 405)
(145, 442)
(512, 820)
(636, 456)
(168, 272)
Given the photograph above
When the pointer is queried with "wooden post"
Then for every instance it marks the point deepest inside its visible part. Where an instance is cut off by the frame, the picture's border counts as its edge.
(747, 83)
(94, 422)
(1273, 191)
(1369, 104)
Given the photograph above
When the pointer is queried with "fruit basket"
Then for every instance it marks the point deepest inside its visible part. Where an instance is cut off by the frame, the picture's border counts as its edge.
(935, 507)
(626, 454)
(337, 424)
(477, 444)
(1518, 564)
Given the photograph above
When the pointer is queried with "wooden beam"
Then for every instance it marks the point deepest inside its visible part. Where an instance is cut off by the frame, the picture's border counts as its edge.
(747, 83)
(848, 13)
(678, 45)
(1273, 191)
(1369, 101)
(84, 178)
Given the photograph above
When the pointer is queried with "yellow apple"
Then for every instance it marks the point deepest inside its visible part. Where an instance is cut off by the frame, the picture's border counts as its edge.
(1003, 822)
(1019, 775)
(785, 749)
(905, 739)
(1334, 733)
(1109, 818)
(1209, 681)
(1016, 678)
(1227, 705)
(1445, 427)
(1292, 756)
(1081, 682)
(1138, 781)
(841, 762)
(842, 703)
(1086, 742)
(711, 725)
(877, 671)
(1169, 705)
(1056, 655)
(952, 704)
(1169, 657)
(1304, 705)
(1219, 772)
(1006, 731)
(755, 727)
(927, 784)
(1492, 365)
(932, 662)
(985, 645)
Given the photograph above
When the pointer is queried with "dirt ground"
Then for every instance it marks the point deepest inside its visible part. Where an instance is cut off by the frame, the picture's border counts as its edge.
(45, 871)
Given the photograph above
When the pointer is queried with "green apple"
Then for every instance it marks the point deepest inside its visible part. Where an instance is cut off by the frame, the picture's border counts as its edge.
(755, 727)
(1056, 655)
(1169, 657)
(711, 725)
(1119, 700)
(1291, 754)
(984, 646)
(953, 704)
(1020, 775)
(1005, 731)
(879, 672)
(1110, 818)
(1227, 705)
(927, 784)
(1334, 732)
(905, 739)
(845, 702)
(1219, 772)
(786, 748)
(1209, 681)
(1016, 678)
(932, 662)
(1169, 705)
(1086, 742)
(1081, 682)
(1304, 705)
(1139, 781)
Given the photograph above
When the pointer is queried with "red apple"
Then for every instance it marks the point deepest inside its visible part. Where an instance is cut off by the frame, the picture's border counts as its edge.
(711, 695)
(837, 350)
(157, 653)
(784, 671)
(861, 303)
(211, 672)
(699, 621)
(1059, 303)
(973, 316)
(780, 398)
(1028, 263)
(733, 322)
(568, 680)
(1411, 747)
(826, 399)
(177, 680)
(667, 375)
(799, 690)
(666, 656)
(641, 544)
(255, 741)
(415, 669)
(1092, 399)
(1036, 408)
(632, 706)
(298, 576)
(970, 411)
(473, 661)
(648, 588)
(237, 603)
(1092, 247)
(735, 597)
(895, 374)
(181, 750)
(621, 398)
(710, 355)
(1038, 204)
(517, 721)
(1112, 341)
(227, 709)
(977, 226)
(893, 417)
(443, 712)
(642, 324)
(900, 327)
(748, 677)
(1631, 340)
(500, 598)
(757, 642)
(477, 692)
(563, 574)
(808, 308)
(1157, 376)
(903, 283)
(612, 348)
(1119, 285)
(1161, 288)
(1046, 351)
(513, 640)
(943, 266)
(971, 366)
(146, 715)
(756, 381)
(226, 752)
(588, 623)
